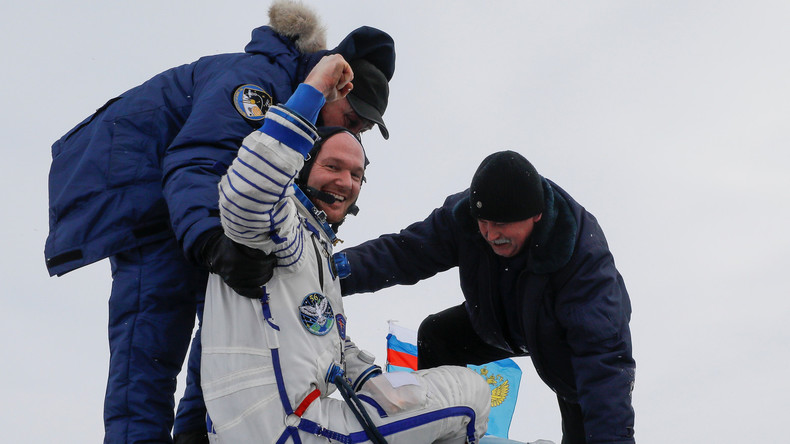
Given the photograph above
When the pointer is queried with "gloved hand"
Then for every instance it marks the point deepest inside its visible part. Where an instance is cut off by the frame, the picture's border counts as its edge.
(244, 269)
(360, 366)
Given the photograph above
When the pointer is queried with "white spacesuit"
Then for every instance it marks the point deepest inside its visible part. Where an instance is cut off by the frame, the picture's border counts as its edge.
(268, 365)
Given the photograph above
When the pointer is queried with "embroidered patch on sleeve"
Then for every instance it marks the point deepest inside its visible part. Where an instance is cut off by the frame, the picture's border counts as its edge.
(251, 101)
(317, 314)
(341, 325)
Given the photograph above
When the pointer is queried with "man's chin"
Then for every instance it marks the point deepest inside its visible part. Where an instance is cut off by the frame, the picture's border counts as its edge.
(333, 218)
(504, 250)
(331, 213)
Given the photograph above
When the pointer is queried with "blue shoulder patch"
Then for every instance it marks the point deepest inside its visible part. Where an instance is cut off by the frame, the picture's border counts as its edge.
(341, 325)
(251, 101)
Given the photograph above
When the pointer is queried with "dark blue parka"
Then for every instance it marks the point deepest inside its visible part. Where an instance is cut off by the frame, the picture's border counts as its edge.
(147, 163)
(571, 307)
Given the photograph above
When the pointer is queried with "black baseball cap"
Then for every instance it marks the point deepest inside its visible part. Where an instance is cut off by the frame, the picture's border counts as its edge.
(370, 94)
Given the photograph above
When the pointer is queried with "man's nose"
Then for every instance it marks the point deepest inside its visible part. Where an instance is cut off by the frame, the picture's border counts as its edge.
(489, 233)
(344, 179)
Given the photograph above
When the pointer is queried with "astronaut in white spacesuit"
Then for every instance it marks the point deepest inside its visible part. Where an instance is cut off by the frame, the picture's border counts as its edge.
(269, 364)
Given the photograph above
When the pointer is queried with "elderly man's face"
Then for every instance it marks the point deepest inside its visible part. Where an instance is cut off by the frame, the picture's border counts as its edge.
(338, 170)
(507, 239)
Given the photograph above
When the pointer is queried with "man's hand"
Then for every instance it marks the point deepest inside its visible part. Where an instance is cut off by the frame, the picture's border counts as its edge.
(332, 76)
(244, 269)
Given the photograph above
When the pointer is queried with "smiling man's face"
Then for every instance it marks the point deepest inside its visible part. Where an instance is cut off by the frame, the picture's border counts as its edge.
(338, 170)
(507, 239)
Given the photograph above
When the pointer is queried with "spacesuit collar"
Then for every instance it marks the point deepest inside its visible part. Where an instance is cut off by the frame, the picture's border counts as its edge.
(318, 216)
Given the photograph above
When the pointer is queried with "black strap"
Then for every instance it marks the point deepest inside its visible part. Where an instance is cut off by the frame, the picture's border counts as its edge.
(73, 255)
(320, 263)
(359, 410)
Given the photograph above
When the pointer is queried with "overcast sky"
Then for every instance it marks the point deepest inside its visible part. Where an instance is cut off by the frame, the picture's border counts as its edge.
(667, 120)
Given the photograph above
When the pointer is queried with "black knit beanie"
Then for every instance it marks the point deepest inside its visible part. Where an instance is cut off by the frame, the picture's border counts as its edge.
(506, 188)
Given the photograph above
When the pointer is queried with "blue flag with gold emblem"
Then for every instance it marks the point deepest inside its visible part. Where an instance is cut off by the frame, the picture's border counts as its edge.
(504, 378)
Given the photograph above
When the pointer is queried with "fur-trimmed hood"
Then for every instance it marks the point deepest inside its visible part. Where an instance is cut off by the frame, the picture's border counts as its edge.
(300, 28)
(299, 23)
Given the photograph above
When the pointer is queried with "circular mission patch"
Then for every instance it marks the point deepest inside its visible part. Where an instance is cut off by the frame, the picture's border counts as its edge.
(317, 314)
(251, 101)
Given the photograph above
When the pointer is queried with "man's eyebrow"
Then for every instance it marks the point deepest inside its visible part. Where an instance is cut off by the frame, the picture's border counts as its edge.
(331, 158)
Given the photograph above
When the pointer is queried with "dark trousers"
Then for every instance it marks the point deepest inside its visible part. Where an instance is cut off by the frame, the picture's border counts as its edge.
(155, 296)
(448, 338)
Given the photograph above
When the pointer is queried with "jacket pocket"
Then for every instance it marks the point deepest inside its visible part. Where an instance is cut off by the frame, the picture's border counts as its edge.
(133, 151)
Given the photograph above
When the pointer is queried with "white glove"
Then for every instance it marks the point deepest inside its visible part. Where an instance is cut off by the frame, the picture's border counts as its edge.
(359, 365)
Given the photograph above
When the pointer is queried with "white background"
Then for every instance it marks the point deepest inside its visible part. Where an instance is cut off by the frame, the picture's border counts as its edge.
(667, 120)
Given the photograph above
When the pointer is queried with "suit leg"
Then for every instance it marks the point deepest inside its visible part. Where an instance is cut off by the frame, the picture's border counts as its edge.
(151, 317)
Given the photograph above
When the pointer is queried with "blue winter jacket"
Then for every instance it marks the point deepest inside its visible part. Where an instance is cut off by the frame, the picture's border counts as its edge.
(147, 163)
(572, 306)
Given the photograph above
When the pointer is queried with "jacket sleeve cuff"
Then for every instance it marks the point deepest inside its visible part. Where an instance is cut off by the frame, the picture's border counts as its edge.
(197, 235)
(373, 370)
(307, 102)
